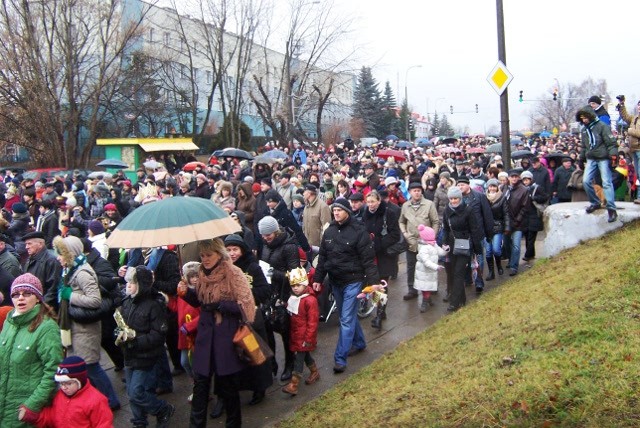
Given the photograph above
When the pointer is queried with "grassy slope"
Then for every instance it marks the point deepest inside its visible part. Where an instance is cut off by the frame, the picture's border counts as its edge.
(557, 346)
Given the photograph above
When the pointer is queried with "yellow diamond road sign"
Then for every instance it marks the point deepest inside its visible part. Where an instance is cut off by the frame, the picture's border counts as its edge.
(500, 77)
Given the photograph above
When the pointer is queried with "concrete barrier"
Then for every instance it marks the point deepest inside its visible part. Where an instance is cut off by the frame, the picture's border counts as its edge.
(568, 224)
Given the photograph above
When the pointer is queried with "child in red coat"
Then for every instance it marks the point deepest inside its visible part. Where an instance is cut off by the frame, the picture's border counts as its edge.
(187, 318)
(303, 307)
(76, 404)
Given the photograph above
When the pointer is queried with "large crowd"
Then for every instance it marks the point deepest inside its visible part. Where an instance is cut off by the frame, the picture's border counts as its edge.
(316, 229)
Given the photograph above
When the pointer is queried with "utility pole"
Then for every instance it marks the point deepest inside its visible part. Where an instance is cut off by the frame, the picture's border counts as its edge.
(504, 97)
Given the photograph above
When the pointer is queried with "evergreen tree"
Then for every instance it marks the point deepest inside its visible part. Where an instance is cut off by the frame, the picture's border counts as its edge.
(390, 123)
(368, 105)
(445, 127)
(435, 126)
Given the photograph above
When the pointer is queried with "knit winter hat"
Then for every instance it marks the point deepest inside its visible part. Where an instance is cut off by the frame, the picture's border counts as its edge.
(28, 282)
(255, 187)
(268, 225)
(96, 227)
(595, 99)
(343, 204)
(110, 207)
(427, 234)
(526, 174)
(72, 368)
(236, 240)
(298, 197)
(493, 182)
(454, 192)
(19, 208)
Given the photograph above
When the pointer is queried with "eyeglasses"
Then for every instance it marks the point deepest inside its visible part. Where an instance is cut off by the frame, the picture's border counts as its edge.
(25, 294)
(67, 383)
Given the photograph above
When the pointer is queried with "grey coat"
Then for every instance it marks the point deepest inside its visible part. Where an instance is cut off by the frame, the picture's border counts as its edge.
(85, 338)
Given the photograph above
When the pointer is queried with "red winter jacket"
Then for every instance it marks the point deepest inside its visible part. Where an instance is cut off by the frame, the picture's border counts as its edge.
(86, 408)
(304, 325)
(177, 304)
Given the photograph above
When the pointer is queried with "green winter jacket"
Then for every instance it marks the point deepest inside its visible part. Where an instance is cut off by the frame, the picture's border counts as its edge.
(28, 362)
(598, 143)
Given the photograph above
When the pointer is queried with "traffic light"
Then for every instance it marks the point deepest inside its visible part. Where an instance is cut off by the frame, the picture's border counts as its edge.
(555, 94)
(410, 124)
(476, 108)
(520, 99)
(451, 109)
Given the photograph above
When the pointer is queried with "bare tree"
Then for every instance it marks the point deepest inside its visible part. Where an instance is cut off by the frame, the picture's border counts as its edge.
(311, 59)
(60, 61)
(570, 98)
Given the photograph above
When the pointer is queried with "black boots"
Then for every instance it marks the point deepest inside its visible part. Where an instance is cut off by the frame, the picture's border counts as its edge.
(492, 273)
(498, 264)
(380, 315)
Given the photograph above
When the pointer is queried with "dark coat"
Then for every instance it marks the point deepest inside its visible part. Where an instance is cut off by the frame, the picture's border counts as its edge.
(533, 222)
(518, 205)
(282, 255)
(167, 273)
(288, 222)
(146, 314)
(374, 223)
(541, 178)
(501, 220)
(481, 208)
(462, 223)
(50, 229)
(346, 254)
(48, 270)
(561, 178)
(304, 324)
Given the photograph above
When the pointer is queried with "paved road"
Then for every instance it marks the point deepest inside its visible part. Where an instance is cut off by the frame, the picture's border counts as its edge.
(404, 321)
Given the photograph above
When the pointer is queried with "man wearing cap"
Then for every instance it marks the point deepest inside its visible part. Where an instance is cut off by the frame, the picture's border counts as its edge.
(518, 205)
(561, 178)
(540, 175)
(600, 151)
(316, 215)
(43, 265)
(356, 202)
(416, 211)
(598, 107)
(347, 257)
(279, 211)
(372, 176)
(48, 221)
(460, 171)
(49, 193)
(477, 174)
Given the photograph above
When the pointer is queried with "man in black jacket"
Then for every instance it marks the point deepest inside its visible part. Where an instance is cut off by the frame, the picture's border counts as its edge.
(561, 178)
(347, 256)
(43, 265)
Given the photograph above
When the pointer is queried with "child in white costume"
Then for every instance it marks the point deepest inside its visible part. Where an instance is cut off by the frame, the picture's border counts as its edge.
(427, 265)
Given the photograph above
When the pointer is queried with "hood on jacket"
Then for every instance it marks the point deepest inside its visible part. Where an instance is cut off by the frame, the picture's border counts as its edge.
(586, 111)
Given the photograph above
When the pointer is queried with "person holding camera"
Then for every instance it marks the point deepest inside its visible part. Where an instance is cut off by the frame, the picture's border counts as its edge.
(633, 132)
(600, 151)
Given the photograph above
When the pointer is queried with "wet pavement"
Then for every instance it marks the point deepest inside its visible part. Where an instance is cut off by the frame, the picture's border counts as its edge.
(403, 322)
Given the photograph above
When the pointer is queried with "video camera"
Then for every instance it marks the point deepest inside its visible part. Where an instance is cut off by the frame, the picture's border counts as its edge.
(621, 99)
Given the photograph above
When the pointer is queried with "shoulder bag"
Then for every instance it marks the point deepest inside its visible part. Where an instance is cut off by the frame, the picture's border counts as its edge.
(399, 247)
(461, 247)
(251, 348)
(540, 207)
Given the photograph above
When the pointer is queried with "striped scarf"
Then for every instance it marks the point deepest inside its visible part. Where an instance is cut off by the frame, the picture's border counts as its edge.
(590, 135)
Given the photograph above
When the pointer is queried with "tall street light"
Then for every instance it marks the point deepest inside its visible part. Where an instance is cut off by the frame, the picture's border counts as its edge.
(406, 98)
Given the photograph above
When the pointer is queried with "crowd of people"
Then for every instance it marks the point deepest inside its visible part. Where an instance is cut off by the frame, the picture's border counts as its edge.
(323, 222)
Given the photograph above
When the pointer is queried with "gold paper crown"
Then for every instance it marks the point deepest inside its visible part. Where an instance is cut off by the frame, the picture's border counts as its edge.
(298, 276)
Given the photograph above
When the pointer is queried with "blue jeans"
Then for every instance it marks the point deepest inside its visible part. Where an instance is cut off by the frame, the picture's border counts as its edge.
(185, 362)
(480, 258)
(494, 248)
(636, 160)
(141, 389)
(101, 381)
(607, 183)
(351, 334)
(516, 239)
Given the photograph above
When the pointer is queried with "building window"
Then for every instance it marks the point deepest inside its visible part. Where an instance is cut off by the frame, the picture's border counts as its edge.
(208, 76)
(167, 38)
(150, 35)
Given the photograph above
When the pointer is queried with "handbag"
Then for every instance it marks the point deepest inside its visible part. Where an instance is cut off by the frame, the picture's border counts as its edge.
(251, 348)
(399, 247)
(461, 247)
(540, 207)
(90, 315)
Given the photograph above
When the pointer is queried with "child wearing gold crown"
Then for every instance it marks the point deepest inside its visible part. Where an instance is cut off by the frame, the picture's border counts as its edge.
(303, 307)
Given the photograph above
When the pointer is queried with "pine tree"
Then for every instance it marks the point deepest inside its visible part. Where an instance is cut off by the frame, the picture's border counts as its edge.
(368, 103)
(445, 127)
(435, 126)
(390, 123)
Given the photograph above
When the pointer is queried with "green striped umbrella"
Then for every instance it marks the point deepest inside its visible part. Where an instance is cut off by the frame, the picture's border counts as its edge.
(177, 220)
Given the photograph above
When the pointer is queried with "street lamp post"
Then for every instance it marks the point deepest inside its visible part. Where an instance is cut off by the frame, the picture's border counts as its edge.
(406, 98)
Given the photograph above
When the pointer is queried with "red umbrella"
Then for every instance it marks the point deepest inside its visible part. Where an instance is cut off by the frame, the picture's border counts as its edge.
(191, 166)
(476, 150)
(396, 154)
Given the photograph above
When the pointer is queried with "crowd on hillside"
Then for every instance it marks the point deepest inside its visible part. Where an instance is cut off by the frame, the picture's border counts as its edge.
(325, 222)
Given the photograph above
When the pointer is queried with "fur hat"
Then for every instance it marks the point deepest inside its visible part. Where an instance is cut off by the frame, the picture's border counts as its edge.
(143, 277)
(268, 225)
(72, 368)
(28, 282)
(69, 248)
(190, 269)
(427, 234)
(343, 204)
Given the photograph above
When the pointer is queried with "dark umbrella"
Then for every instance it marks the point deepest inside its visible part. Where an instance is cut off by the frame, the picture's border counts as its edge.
(404, 145)
(231, 152)
(391, 137)
(519, 154)
(516, 141)
(449, 140)
(113, 163)
(425, 143)
(494, 148)
(556, 156)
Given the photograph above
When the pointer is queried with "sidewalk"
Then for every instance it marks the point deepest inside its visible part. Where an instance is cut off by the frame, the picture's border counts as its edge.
(404, 321)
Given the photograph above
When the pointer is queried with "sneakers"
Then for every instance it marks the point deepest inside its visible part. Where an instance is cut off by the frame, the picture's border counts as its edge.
(165, 416)
(613, 216)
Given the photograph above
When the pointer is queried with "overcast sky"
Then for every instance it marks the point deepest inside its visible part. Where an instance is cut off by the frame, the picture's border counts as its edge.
(455, 41)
